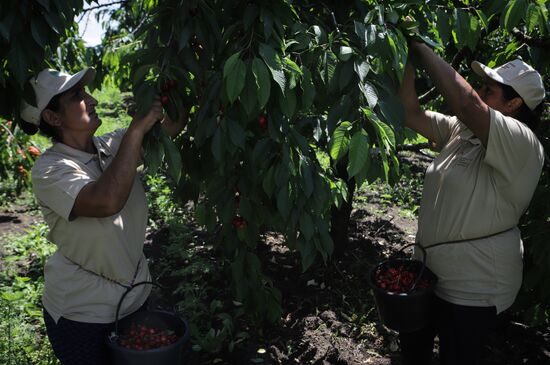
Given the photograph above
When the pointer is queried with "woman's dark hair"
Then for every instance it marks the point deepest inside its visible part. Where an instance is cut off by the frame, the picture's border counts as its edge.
(529, 117)
(45, 128)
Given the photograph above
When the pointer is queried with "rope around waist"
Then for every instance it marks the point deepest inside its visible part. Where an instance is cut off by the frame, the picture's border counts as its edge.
(464, 240)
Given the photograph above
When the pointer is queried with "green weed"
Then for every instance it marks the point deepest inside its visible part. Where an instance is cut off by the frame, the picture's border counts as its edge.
(23, 337)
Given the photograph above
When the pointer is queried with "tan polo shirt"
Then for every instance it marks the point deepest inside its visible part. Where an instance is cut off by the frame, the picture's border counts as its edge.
(111, 247)
(471, 191)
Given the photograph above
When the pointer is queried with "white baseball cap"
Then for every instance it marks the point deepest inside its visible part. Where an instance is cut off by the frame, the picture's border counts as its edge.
(524, 79)
(49, 83)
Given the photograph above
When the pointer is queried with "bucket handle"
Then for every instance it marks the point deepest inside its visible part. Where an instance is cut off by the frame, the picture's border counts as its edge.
(423, 264)
(124, 296)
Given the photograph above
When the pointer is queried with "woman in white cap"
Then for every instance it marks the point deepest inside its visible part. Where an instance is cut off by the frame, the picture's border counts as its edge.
(475, 191)
(94, 204)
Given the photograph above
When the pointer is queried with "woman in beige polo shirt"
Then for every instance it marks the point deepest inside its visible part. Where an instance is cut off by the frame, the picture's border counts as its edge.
(95, 206)
(475, 191)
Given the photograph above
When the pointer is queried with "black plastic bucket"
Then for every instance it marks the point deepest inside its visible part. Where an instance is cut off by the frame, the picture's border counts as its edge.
(173, 354)
(409, 311)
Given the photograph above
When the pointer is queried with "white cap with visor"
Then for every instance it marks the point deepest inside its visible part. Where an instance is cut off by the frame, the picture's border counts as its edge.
(524, 79)
(49, 83)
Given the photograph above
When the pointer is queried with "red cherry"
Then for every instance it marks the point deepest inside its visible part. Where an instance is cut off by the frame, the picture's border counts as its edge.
(238, 222)
(164, 99)
(262, 121)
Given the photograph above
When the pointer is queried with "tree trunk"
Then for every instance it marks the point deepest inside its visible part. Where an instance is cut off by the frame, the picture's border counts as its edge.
(340, 218)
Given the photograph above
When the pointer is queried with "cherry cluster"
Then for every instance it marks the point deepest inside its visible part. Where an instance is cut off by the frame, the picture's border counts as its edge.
(239, 222)
(398, 279)
(166, 87)
(140, 337)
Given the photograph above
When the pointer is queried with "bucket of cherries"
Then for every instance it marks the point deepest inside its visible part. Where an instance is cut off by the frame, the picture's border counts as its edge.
(148, 337)
(403, 292)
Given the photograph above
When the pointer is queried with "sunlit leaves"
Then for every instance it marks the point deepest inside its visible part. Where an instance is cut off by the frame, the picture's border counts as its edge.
(274, 63)
(339, 143)
(514, 11)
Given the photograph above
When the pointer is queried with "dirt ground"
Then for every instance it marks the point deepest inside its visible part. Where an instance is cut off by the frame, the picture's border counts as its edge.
(329, 314)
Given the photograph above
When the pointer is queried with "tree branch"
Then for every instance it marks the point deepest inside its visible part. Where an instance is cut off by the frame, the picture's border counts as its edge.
(530, 41)
(84, 11)
(105, 5)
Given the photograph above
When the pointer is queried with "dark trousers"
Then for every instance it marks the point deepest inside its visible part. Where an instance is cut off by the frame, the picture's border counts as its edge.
(462, 332)
(79, 343)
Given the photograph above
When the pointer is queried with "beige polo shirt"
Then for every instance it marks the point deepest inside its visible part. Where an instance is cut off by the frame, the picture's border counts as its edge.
(471, 191)
(95, 257)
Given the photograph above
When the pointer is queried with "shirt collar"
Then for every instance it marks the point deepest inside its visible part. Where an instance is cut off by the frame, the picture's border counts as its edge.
(81, 156)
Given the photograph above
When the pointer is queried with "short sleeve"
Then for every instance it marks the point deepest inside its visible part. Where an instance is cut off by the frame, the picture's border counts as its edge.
(57, 185)
(442, 127)
(511, 147)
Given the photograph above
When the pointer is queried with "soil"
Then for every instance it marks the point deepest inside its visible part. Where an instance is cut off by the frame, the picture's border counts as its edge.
(17, 218)
(329, 313)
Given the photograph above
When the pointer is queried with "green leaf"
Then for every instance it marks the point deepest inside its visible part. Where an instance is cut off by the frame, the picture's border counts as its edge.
(327, 244)
(12, 297)
(153, 152)
(339, 142)
(359, 153)
(262, 79)
(185, 35)
(360, 30)
(283, 202)
(345, 53)
(45, 4)
(306, 226)
(462, 27)
(288, 103)
(40, 30)
(6, 25)
(144, 95)
(246, 209)
(17, 62)
(391, 108)
(249, 98)
(443, 25)
(217, 145)
(532, 17)
(361, 69)
(293, 66)
(513, 13)
(273, 62)
(173, 157)
(54, 21)
(268, 182)
(308, 89)
(429, 41)
(307, 252)
(307, 177)
(234, 73)
(346, 74)
(251, 13)
(483, 19)
(370, 93)
(320, 35)
(236, 133)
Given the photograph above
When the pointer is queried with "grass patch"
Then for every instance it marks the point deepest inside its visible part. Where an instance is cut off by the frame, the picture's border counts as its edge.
(23, 337)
